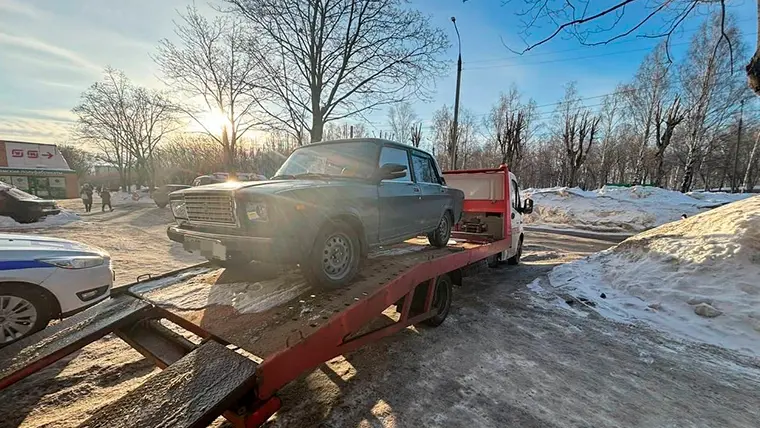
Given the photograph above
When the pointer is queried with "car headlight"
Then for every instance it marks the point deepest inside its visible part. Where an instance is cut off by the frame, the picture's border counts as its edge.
(178, 208)
(256, 211)
(75, 262)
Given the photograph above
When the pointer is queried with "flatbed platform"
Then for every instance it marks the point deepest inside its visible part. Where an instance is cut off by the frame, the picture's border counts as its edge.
(264, 314)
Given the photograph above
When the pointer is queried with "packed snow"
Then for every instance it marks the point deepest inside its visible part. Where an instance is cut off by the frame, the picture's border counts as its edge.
(618, 209)
(698, 278)
(61, 219)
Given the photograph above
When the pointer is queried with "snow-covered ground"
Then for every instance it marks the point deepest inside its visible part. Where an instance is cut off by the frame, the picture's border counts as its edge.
(63, 218)
(618, 209)
(698, 278)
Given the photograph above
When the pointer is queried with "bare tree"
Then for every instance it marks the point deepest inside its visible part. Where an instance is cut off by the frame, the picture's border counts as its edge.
(78, 159)
(650, 86)
(709, 90)
(509, 124)
(401, 119)
(126, 123)
(330, 59)
(211, 67)
(611, 117)
(671, 118)
(416, 136)
(577, 128)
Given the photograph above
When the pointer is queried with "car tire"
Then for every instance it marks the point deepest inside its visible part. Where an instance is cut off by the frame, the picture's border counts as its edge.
(515, 260)
(442, 295)
(335, 256)
(440, 236)
(23, 311)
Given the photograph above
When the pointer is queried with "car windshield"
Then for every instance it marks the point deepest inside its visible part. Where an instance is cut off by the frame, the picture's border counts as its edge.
(349, 159)
(20, 194)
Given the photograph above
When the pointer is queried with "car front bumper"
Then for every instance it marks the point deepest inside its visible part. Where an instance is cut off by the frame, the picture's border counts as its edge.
(275, 250)
(78, 289)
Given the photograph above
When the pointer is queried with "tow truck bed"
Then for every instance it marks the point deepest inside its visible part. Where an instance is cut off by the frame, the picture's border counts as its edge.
(271, 313)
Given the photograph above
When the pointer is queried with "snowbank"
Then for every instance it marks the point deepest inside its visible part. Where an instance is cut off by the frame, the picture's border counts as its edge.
(667, 275)
(63, 218)
(618, 209)
(122, 197)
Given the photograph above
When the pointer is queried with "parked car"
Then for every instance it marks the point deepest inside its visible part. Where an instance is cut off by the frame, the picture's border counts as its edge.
(23, 207)
(161, 194)
(47, 278)
(326, 207)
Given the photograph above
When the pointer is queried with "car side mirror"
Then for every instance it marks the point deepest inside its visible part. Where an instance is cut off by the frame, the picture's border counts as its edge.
(527, 206)
(391, 171)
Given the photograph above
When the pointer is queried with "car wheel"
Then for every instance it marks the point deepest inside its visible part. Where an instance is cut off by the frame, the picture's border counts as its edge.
(23, 311)
(515, 260)
(334, 258)
(440, 236)
(441, 300)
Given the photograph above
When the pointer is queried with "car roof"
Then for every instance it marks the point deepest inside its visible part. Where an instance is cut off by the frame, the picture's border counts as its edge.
(377, 141)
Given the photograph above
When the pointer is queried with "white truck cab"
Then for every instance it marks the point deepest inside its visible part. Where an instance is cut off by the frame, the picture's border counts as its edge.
(484, 217)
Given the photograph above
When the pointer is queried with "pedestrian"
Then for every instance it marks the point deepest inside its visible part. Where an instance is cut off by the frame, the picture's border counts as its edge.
(683, 216)
(105, 195)
(86, 194)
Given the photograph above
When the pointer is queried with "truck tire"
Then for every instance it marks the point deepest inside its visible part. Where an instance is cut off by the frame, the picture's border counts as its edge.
(444, 289)
(440, 236)
(334, 258)
(515, 260)
(23, 311)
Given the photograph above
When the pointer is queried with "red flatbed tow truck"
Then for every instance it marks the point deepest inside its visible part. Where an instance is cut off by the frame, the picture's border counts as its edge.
(254, 331)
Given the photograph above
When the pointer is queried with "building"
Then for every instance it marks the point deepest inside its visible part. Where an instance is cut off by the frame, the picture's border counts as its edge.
(39, 169)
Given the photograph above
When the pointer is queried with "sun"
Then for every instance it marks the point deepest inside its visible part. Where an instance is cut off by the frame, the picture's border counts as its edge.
(214, 121)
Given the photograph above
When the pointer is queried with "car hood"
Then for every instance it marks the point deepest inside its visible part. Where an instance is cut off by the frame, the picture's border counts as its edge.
(269, 186)
(15, 246)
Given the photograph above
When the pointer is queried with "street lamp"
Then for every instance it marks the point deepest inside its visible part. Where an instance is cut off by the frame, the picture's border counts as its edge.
(455, 131)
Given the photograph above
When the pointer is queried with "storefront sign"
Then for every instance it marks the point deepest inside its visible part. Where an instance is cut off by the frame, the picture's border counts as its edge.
(30, 155)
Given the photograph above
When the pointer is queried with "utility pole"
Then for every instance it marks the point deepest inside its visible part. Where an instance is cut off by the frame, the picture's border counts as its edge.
(734, 179)
(455, 131)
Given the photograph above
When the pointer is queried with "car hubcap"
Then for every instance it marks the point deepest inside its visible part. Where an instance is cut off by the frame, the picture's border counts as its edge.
(17, 317)
(336, 256)
(443, 227)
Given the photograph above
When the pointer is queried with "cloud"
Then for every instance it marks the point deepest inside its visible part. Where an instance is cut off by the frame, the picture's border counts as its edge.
(19, 8)
(48, 49)
(27, 129)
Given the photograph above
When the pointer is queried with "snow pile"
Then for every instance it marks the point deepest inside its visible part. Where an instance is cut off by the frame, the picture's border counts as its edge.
(61, 219)
(698, 278)
(618, 209)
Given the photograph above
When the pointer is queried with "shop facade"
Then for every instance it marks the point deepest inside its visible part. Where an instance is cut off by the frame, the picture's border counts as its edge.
(39, 169)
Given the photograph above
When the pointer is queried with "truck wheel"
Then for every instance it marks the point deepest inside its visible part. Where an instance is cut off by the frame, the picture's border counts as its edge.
(515, 260)
(441, 301)
(23, 311)
(440, 236)
(334, 258)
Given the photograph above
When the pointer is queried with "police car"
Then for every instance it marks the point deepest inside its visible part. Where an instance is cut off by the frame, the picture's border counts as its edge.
(45, 278)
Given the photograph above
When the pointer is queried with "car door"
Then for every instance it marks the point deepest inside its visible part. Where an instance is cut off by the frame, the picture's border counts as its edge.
(433, 193)
(399, 199)
(514, 192)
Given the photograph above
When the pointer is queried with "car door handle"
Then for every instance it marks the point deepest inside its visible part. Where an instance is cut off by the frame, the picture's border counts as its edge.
(416, 189)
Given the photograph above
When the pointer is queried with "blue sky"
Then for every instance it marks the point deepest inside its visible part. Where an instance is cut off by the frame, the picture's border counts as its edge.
(50, 51)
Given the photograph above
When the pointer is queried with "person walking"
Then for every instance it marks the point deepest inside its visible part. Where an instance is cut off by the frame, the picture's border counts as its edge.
(87, 197)
(105, 195)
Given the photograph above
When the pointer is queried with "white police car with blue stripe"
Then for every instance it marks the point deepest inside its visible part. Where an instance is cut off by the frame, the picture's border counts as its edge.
(45, 278)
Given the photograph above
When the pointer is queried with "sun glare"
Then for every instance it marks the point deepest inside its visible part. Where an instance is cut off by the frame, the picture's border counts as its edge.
(214, 121)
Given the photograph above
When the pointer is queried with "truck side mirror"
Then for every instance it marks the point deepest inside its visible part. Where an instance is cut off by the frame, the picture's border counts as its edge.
(391, 171)
(527, 206)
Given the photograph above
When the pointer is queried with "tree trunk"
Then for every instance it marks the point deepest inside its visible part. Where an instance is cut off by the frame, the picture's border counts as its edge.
(660, 171)
(688, 174)
(317, 121)
(746, 183)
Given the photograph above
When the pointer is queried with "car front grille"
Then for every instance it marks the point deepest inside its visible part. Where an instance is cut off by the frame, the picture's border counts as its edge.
(213, 208)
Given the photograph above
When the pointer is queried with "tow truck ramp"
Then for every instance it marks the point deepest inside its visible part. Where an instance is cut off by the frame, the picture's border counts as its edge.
(228, 354)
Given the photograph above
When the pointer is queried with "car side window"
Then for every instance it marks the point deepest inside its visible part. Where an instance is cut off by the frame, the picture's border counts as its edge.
(399, 156)
(423, 170)
(515, 196)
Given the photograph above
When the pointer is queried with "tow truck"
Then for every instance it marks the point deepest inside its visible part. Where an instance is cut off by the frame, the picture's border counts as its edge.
(229, 340)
